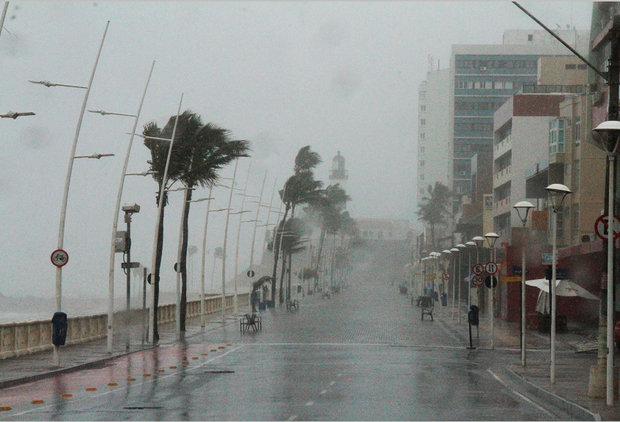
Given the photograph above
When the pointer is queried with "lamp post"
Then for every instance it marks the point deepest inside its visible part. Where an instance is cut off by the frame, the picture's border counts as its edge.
(241, 212)
(258, 206)
(523, 209)
(606, 136)
(491, 238)
(557, 193)
(63, 209)
(470, 245)
(232, 187)
(455, 251)
(435, 256)
(446, 254)
(117, 207)
(3, 15)
(461, 248)
(154, 278)
(177, 266)
(129, 210)
(479, 241)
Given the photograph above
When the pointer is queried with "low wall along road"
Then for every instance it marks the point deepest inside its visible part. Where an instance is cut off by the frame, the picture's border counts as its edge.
(20, 338)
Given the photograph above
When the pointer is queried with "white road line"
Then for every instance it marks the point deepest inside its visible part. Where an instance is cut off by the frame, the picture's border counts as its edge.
(332, 383)
(310, 403)
(339, 375)
(516, 393)
(323, 392)
(292, 418)
(119, 388)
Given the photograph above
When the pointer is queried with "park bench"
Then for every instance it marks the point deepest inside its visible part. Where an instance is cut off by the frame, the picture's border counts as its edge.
(292, 304)
(426, 303)
(252, 321)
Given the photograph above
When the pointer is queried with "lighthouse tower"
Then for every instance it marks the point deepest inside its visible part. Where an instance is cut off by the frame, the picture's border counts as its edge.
(338, 174)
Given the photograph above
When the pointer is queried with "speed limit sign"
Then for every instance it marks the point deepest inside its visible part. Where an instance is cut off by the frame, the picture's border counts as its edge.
(477, 269)
(490, 267)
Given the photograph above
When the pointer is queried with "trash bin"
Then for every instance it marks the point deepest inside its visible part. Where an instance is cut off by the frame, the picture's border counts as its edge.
(59, 328)
(444, 299)
(271, 303)
(473, 315)
(262, 306)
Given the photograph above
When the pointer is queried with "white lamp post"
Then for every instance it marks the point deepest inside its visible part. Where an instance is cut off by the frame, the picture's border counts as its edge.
(523, 209)
(470, 245)
(3, 15)
(63, 209)
(455, 251)
(479, 241)
(557, 193)
(241, 212)
(446, 255)
(491, 238)
(258, 206)
(461, 248)
(606, 136)
(232, 187)
(160, 207)
(118, 207)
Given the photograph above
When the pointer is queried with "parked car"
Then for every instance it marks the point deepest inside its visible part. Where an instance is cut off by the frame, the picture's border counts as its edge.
(617, 334)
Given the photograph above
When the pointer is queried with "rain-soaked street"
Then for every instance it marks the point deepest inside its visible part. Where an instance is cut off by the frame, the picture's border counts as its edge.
(364, 354)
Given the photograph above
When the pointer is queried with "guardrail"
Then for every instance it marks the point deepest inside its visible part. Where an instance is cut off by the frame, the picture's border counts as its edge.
(21, 338)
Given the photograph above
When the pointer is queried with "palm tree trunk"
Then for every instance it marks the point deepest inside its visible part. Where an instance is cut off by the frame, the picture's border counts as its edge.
(318, 258)
(283, 269)
(183, 263)
(156, 271)
(276, 254)
(290, 263)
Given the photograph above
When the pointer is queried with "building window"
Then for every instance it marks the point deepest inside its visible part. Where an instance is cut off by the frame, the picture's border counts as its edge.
(422, 95)
(421, 177)
(530, 37)
(422, 135)
(576, 171)
(421, 163)
(422, 108)
(570, 66)
(577, 130)
(422, 122)
(556, 135)
(582, 66)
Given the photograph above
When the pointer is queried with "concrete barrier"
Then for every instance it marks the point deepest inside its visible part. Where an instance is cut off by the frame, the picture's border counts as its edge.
(20, 338)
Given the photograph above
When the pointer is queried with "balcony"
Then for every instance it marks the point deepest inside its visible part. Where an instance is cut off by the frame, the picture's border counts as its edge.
(503, 146)
(502, 206)
(502, 176)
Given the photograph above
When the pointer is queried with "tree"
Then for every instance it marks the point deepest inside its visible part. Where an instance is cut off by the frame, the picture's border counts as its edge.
(290, 233)
(434, 207)
(199, 153)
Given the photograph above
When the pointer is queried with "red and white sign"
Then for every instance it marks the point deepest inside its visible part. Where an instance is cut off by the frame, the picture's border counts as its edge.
(477, 269)
(601, 227)
(490, 267)
(445, 276)
(477, 281)
(59, 257)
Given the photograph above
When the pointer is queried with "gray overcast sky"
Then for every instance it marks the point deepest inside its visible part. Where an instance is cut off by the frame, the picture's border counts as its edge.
(335, 75)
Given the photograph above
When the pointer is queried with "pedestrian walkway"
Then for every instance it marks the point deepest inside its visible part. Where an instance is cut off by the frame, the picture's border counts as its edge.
(31, 367)
(575, 354)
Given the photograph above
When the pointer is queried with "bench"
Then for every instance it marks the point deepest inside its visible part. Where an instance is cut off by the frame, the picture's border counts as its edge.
(252, 321)
(292, 304)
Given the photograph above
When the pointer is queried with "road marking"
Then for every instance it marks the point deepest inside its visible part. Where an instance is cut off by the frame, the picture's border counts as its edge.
(310, 403)
(323, 392)
(332, 383)
(339, 375)
(292, 418)
(145, 380)
(516, 393)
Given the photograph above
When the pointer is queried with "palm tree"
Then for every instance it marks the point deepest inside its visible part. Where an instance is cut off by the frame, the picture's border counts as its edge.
(206, 149)
(200, 152)
(434, 207)
(290, 233)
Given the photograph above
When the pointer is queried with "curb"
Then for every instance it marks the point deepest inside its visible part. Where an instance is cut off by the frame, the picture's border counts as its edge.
(567, 406)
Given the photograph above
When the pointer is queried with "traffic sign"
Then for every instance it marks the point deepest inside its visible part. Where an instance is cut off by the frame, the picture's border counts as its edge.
(445, 276)
(59, 258)
(477, 281)
(477, 269)
(490, 279)
(601, 227)
(250, 273)
(490, 267)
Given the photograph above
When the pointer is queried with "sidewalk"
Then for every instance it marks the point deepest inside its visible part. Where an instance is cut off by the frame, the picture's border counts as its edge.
(575, 353)
(27, 368)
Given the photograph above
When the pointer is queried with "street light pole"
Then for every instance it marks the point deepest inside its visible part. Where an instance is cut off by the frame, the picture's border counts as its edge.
(245, 188)
(160, 206)
(4, 9)
(557, 193)
(470, 245)
(117, 208)
(260, 199)
(63, 209)
(523, 208)
(491, 238)
(232, 187)
(458, 282)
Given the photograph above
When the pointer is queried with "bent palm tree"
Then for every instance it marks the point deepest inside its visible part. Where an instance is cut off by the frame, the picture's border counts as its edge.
(433, 208)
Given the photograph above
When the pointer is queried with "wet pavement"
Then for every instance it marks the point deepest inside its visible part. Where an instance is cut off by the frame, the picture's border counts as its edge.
(364, 354)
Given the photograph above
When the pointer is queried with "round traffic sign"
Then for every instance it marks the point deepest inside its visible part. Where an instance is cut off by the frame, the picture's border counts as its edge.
(250, 273)
(59, 258)
(490, 267)
(601, 227)
(477, 269)
(477, 281)
(445, 276)
(490, 279)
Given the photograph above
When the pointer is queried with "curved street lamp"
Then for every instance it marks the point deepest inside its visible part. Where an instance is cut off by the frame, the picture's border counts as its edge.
(455, 251)
(470, 245)
(491, 238)
(557, 193)
(523, 209)
(14, 114)
(461, 248)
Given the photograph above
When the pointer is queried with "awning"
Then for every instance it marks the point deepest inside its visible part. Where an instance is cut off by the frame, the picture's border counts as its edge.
(562, 288)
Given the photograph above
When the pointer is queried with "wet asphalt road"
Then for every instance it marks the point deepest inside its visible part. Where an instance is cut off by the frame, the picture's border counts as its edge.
(364, 354)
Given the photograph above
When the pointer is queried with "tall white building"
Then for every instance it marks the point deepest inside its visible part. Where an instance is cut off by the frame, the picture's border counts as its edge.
(434, 148)
(338, 173)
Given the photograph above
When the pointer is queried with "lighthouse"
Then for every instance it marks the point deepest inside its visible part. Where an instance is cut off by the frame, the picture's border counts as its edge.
(338, 174)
